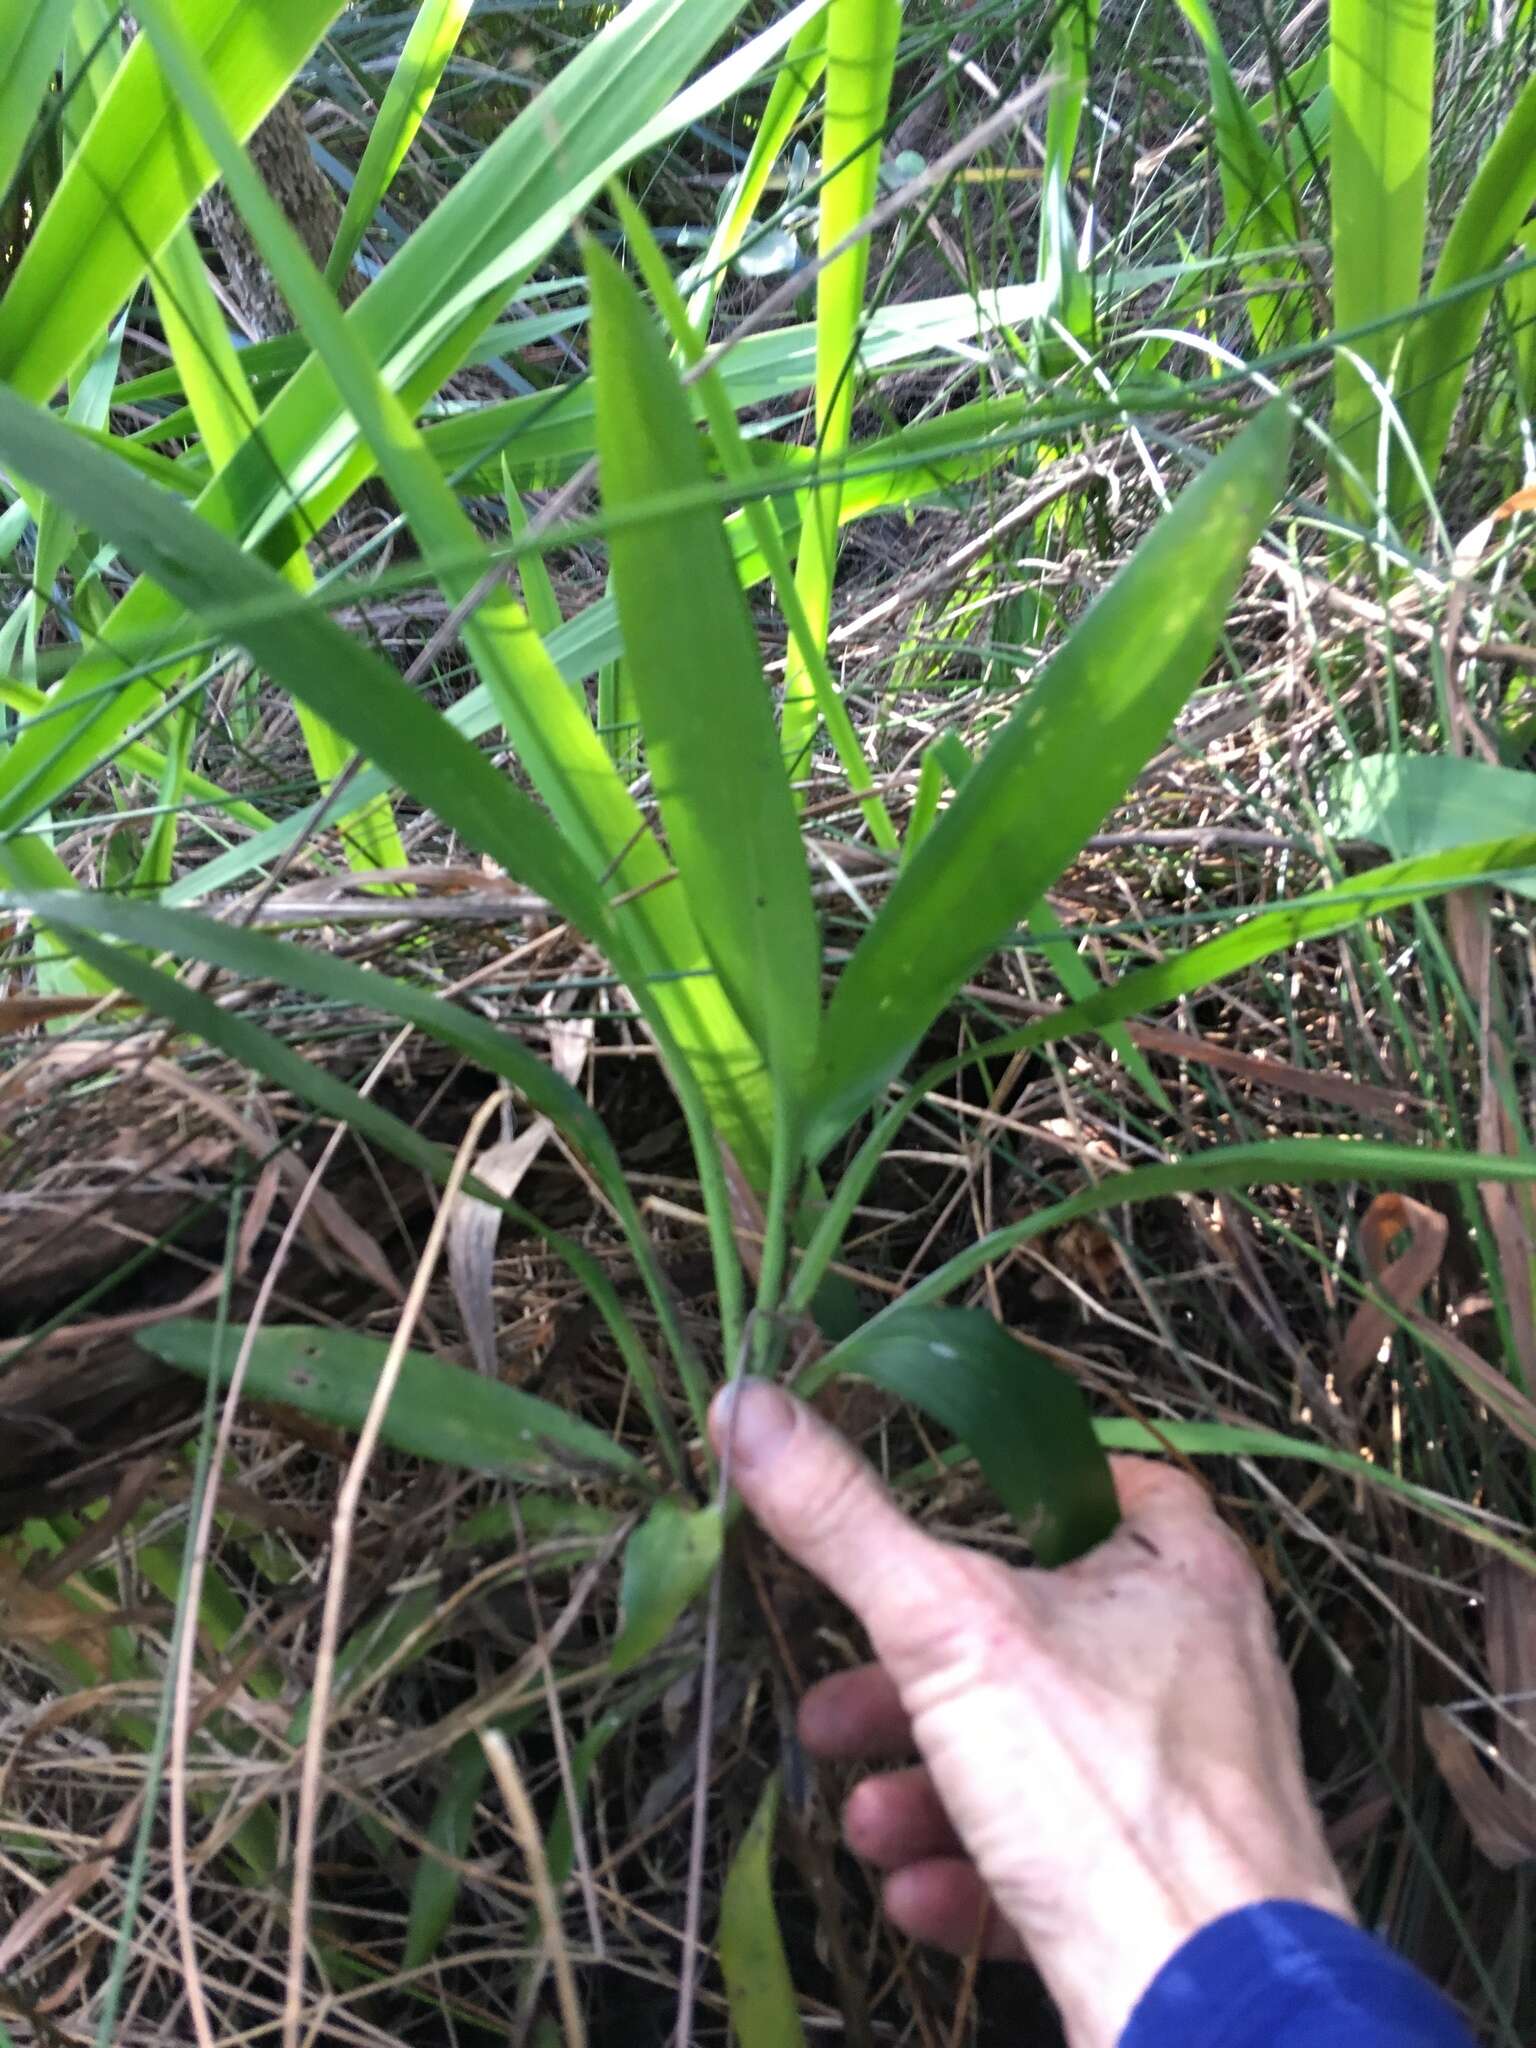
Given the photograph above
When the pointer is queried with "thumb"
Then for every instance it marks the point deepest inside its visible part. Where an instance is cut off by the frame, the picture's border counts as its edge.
(820, 1501)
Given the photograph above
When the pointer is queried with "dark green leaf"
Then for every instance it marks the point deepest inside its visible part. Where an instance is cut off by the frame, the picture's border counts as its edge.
(435, 1890)
(1025, 1421)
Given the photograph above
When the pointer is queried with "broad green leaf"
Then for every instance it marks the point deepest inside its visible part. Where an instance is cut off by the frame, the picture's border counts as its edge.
(1441, 344)
(744, 470)
(1257, 197)
(1382, 74)
(415, 79)
(137, 175)
(705, 712)
(1025, 1421)
(667, 1561)
(439, 1411)
(1415, 804)
(1065, 757)
(31, 40)
(861, 56)
(758, 1987)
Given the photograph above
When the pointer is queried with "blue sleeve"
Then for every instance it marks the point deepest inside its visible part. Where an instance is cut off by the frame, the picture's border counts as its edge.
(1290, 1976)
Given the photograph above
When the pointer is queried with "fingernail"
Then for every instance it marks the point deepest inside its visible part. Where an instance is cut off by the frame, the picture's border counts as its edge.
(755, 1419)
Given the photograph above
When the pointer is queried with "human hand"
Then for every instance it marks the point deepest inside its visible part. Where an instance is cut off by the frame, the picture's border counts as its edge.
(1109, 1751)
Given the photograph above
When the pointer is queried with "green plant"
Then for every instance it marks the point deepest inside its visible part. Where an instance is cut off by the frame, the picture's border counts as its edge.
(781, 1027)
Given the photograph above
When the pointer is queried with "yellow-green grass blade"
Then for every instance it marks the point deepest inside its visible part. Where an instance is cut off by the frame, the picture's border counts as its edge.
(1065, 757)
(31, 42)
(539, 600)
(1257, 198)
(545, 438)
(1519, 320)
(593, 809)
(205, 359)
(705, 713)
(898, 469)
(431, 42)
(420, 317)
(740, 465)
(861, 57)
(1298, 88)
(799, 70)
(225, 415)
(138, 173)
(1382, 75)
(1061, 956)
(1058, 268)
(583, 644)
(91, 59)
(138, 757)
(1442, 341)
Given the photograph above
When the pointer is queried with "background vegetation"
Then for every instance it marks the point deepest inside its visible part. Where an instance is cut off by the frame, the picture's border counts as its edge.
(836, 689)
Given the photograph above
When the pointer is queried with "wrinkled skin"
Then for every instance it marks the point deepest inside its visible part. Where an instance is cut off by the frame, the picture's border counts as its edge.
(1108, 1752)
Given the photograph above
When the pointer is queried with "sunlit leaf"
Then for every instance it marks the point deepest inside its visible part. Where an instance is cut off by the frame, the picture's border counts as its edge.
(1416, 804)
(693, 661)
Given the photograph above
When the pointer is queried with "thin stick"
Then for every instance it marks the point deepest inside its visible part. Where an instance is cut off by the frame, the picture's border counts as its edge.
(202, 1539)
(525, 1827)
(348, 1500)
